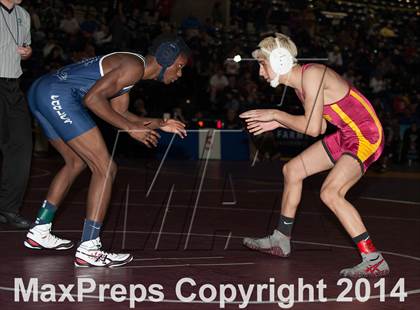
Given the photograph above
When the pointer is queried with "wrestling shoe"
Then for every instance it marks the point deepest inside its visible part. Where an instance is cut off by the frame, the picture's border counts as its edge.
(276, 244)
(40, 237)
(89, 254)
(372, 265)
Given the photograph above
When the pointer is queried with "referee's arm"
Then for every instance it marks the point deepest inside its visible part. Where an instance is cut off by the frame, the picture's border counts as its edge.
(25, 50)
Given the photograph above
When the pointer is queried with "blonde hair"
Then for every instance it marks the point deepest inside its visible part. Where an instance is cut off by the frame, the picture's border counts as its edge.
(269, 44)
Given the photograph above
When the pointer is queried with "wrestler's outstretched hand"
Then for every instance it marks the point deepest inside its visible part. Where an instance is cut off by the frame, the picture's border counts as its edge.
(257, 127)
(174, 126)
(145, 135)
(262, 115)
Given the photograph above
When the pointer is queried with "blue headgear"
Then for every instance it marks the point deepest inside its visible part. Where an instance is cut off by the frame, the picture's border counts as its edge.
(166, 54)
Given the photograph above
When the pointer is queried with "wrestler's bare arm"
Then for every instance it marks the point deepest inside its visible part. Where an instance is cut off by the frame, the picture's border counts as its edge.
(120, 105)
(126, 73)
(311, 123)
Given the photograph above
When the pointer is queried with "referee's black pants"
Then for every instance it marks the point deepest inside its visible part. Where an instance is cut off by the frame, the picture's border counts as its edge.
(15, 145)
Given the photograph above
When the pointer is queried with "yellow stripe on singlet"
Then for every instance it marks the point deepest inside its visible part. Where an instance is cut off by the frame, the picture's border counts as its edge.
(365, 149)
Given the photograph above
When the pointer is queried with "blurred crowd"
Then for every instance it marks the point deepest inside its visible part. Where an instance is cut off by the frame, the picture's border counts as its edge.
(373, 44)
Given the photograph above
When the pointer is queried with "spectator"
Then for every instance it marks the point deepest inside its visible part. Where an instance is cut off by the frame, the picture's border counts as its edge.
(102, 36)
(377, 84)
(335, 58)
(179, 115)
(387, 31)
(89, 25)
(232, 120)
(231, 67)
(55, 59)
(218, 83)
(69, 24)
(139, 107)
(411, 145)
(217, 14)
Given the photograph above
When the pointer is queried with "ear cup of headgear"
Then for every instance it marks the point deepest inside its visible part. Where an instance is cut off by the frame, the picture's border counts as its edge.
(281, 61)
(167, 53)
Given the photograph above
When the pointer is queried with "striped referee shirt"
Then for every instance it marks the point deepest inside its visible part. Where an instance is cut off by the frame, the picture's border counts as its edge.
(15, 30)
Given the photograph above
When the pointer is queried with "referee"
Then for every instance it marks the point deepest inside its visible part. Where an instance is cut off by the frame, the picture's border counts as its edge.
(15, 124)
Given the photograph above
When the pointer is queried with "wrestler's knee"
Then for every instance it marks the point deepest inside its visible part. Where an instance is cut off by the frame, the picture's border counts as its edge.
(75, 164)
(293, 171)
(330, 195)
(113, 170)
(104, 168)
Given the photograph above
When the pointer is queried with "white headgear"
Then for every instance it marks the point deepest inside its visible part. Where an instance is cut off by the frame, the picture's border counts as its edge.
(281, 61)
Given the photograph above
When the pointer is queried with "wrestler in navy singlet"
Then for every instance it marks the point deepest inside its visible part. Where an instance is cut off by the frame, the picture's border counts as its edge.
(56, 99)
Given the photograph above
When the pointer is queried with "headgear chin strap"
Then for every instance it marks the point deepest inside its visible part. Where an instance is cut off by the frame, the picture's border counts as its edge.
(281, 61)
(166, 54)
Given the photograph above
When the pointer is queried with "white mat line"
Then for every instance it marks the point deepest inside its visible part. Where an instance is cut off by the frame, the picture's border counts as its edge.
(178, 258)
(186, 265)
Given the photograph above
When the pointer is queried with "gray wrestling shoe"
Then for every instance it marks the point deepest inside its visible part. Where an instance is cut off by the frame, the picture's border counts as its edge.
(276, 244)
(372, 265)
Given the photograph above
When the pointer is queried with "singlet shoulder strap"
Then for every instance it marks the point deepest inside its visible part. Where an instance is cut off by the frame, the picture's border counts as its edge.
(135, 54)
(304, 67)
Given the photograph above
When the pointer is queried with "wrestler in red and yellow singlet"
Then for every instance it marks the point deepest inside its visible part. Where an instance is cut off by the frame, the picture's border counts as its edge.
(359, 133)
